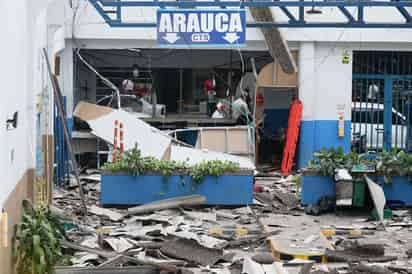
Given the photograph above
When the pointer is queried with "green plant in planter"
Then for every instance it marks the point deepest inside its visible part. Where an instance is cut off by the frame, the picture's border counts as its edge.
(134, 164)
(212, 168)
(327, 160)
(395, 163)
(36, 245)
(406, 159)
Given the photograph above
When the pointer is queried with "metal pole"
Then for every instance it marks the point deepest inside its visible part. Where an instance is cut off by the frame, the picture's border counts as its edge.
(229, 79)
(255, 126)
(62, 115)
(180, 90)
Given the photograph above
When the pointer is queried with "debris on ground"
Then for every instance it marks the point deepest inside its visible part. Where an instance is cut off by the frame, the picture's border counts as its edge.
(182, 235)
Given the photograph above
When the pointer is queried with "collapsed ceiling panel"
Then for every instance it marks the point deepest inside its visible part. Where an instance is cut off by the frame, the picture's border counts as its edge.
(150, 141)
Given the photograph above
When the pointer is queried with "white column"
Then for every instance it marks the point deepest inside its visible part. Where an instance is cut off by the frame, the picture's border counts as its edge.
(67, 79)
(307, 94)
(307, 80)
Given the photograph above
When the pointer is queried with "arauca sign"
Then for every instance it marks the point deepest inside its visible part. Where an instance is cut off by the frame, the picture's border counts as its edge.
(193, 27)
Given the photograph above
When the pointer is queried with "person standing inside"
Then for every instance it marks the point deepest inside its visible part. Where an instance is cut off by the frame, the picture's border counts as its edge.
(209, 87)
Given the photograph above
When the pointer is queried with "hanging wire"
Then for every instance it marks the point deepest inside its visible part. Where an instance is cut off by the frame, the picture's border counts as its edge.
(104, 79)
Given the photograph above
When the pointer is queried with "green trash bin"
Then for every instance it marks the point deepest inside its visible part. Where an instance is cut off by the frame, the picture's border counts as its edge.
(359, 193)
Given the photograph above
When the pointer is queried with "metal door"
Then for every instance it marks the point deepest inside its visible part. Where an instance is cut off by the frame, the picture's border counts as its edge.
(367, 113)
(381, 112)
(401, 89)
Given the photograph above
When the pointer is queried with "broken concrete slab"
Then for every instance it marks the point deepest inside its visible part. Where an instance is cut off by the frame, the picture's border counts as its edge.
(158, 218)
(106, 254)
(204, 240)
(252, 267)
(168, 204)
(143, 231)
(192, 251)
(118, 244)
(91, 241)
(263, 258)
(366, 269)
(107, 270)
(204, 216)
(112, 262)
(82, 258)
(287, 199)
(353, 251)
(112, 215)
(227, 214)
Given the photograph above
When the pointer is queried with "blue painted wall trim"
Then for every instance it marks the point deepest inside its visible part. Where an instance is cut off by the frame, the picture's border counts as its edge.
(318, 134)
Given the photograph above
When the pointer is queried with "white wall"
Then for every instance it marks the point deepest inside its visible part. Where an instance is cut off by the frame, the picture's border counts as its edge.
(333, 81)
(325, 82)
(18, 70)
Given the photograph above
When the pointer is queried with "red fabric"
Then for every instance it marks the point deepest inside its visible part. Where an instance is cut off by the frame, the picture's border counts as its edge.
(141, 91)
(292, 136)
(208, 85)
(259, 99)
(258, 188)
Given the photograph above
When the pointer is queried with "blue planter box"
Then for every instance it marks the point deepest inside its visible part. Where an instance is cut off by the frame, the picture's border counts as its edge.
(398, 192)
(119, 189)
(315, 187)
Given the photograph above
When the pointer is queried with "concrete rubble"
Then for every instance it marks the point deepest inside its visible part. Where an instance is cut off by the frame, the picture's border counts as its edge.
(191, 238)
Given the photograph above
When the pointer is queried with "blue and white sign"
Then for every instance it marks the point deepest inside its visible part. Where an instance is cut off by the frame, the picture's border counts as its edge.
(194, 27)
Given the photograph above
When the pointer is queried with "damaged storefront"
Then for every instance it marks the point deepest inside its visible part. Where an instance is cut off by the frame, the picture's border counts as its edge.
(215, 137)
(204, 89)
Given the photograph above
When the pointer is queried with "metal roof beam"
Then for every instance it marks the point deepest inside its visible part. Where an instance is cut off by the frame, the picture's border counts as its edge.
(287, 12)
(277, 46)
(259, 3)
(294, 21)
(405, 14)
(347, 14)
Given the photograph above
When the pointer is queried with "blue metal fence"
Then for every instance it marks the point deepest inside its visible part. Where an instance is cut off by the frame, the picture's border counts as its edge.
(382, 101)
(61, 153)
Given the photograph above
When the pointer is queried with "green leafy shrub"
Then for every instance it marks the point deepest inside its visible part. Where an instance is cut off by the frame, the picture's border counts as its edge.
(36, 245)
(388, 164)
(212, 168)
(327, 160)
(134, 164)
(395, 163)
